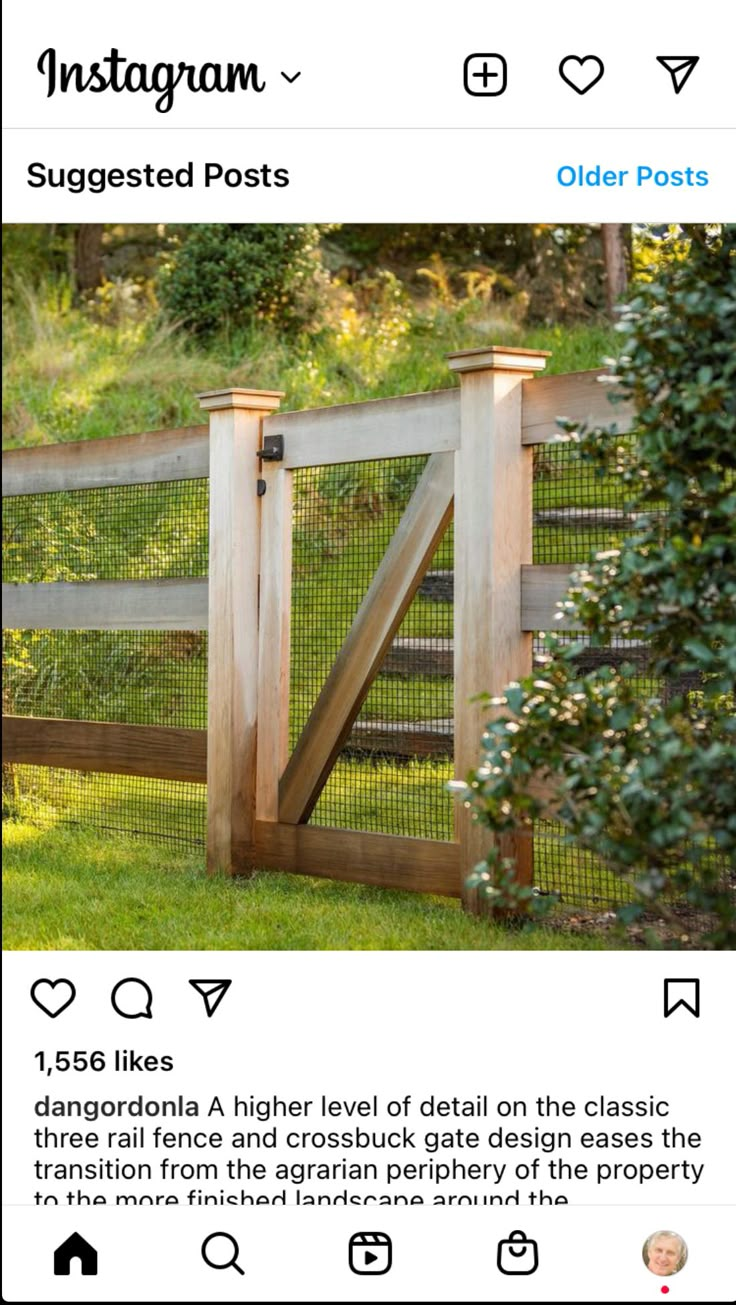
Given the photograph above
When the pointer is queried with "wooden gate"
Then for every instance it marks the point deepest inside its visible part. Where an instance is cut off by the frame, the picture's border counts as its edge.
(478, 440)
(479, 466)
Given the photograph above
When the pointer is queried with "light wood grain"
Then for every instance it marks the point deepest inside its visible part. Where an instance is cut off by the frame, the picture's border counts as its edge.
(384, 860)
(99, 464)
(237, 398)
(179, 604)
(379, 428)
(542, 587)
(274, 638)
(232, 681)
(381, 612)
(575, 396)
(158, 752)
(493, 538)
(498, 358)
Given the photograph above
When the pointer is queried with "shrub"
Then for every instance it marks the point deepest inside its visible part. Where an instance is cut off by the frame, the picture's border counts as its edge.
(646, 782)
(221, 277)
(34, 253)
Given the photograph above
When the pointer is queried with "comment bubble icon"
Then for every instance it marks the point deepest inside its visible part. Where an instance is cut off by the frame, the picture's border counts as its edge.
(133, 999)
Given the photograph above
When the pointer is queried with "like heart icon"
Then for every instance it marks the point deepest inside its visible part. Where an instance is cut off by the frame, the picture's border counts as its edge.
(53, 995)
(581, 74)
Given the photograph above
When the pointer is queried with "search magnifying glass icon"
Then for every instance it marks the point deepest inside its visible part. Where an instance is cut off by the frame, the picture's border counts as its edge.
(220, 1251)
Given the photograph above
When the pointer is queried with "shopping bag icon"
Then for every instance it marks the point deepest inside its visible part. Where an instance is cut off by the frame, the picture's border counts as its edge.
(519, 1254)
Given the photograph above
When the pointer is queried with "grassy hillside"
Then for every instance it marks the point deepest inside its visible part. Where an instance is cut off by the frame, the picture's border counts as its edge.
(75, 373)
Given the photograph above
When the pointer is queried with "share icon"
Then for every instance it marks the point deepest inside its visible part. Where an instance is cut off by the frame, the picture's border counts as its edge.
(211, 991)
(679, 67)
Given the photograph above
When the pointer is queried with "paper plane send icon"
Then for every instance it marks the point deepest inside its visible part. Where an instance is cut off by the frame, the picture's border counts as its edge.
(211, 991)
(679, 67)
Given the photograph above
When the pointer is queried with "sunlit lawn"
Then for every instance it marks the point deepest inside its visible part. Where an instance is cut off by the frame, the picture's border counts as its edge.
(81, 890)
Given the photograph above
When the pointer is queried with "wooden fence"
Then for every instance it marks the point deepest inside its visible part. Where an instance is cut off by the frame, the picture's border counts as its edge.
(479, 439)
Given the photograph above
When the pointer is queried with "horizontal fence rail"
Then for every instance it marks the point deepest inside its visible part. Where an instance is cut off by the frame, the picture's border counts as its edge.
(153, 751)
(584, 397)
(384, 860)
(101, 464)
(178, 604)
(364, 432)
(181, 604)
(542, 588)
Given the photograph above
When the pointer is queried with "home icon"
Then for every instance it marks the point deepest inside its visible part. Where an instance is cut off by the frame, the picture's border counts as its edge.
(75, 1248)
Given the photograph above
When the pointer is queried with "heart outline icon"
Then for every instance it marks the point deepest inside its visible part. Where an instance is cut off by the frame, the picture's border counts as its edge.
(576, 59)
(52, 983)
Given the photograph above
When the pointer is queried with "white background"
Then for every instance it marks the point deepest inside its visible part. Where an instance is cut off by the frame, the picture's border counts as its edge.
(585, 1255)
(380, 176)
(300, 1024)
(389, 63)
(383, 68)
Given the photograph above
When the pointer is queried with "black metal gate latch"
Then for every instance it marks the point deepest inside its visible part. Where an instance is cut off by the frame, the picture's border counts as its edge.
(273, 449)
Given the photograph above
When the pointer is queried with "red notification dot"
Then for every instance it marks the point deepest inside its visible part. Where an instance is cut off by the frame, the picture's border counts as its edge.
(664, 1290)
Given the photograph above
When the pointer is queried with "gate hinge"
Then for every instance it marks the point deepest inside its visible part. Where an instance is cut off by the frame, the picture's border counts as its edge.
(260, 488)
(273, 449)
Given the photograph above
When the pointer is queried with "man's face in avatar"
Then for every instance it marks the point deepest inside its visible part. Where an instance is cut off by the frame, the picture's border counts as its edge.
(664, 1255)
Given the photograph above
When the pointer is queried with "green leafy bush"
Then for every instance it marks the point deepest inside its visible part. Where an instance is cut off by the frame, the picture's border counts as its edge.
(648, 782)
(222, 277)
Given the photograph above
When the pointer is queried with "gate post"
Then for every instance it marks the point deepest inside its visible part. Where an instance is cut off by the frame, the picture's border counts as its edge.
(493, 539)
(232, 675)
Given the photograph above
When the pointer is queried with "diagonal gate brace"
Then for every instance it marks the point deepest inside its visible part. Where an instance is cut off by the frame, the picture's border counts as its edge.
(392, 589)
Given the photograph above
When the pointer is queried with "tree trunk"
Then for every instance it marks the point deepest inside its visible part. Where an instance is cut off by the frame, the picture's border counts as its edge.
(88, 256)
(616, 238)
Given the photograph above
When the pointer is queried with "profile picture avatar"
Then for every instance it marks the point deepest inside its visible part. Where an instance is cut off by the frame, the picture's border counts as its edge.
(664, 1253)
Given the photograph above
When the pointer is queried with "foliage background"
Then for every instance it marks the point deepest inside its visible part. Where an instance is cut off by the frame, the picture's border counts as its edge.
(648, 782)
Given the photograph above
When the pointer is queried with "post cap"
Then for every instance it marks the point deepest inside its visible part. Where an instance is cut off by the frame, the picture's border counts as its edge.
(253, 400)
(498, 358)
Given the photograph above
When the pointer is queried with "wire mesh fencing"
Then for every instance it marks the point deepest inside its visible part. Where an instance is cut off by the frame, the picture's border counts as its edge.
(391, 776)
(164, 810)
(580, 510)
(125, 532)
(146, 677)
(576, 509)
(575, 875)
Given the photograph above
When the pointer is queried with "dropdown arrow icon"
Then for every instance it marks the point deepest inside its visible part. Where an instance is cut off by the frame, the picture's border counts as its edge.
(292, 79)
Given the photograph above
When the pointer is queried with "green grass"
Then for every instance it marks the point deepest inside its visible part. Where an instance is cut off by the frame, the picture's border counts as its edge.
(406, 797)
(46, 797)
(83, 891)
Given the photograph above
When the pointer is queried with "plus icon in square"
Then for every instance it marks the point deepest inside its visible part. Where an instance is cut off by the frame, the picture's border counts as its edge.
(485, 74)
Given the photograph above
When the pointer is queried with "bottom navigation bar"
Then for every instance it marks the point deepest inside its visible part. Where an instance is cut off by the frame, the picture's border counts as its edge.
(636, 1253)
